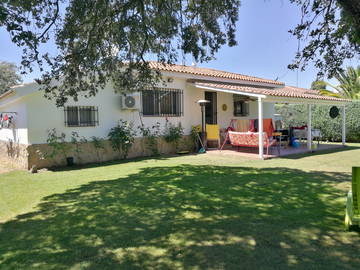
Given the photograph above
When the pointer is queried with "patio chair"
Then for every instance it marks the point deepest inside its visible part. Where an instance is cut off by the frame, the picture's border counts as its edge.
(352, 215)
(213, 133)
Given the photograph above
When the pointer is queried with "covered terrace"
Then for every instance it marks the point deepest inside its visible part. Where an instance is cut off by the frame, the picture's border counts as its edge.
(283, 94)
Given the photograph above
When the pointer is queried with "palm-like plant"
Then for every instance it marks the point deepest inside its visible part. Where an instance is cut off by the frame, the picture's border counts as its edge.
(349, 84)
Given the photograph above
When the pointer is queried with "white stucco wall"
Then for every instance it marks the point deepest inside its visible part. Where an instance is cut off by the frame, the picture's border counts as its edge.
(18, 133)
(43, 115)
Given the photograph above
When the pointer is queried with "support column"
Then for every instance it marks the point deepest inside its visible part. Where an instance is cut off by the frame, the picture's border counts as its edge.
(343, 126)
(261, 128)
(309, 129)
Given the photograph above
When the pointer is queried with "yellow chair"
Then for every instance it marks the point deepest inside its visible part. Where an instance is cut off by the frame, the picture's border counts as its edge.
(213, 133)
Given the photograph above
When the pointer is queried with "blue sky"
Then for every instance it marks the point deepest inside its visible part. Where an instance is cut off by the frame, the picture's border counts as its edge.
(265, 47)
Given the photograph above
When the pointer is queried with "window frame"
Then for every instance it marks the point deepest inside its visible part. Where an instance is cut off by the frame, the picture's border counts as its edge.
(159, 109)
(94, 116)
(245, 107)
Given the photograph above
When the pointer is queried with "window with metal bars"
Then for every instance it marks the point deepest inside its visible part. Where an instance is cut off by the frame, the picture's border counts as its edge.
(162, 102)
(81, 116)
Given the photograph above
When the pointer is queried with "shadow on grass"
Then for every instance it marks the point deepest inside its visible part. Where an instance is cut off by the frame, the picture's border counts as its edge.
(188, 217)
(76, 167)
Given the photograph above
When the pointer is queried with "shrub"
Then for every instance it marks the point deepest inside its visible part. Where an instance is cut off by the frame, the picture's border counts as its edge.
(296, 115)
(57, 144)
(151, 135)
(76, 140)
(173, 134)
(98, 144)
(194, 135)
(122, 137)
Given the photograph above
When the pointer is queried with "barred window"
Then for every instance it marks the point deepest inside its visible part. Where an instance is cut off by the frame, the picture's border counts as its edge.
(162, 102)
(81, 116)
(241, 107)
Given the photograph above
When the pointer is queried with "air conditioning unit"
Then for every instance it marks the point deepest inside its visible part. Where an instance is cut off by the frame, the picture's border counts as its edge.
(130, 101)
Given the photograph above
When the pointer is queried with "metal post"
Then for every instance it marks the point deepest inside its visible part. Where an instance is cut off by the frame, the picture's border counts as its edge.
(309, 129)
(343, 126)
(261, 129)
(202, 119)
(203, 137)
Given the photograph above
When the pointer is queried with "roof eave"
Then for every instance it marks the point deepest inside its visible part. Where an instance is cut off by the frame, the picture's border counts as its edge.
(297, 100)
(190, 77)
(217, 89)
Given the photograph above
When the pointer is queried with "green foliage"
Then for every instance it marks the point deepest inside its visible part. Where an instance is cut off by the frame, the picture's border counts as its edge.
(57, 144)
(98, 144)
(173, 134)
(329, 32)
(122, 137)
(292, 115)
(318, 85)
(296, 115)
(8, 76)
(349, 80)
(76, 140)
(98, 41)
(330, 93)
(349, 84)
(151, 136)
(194, 136)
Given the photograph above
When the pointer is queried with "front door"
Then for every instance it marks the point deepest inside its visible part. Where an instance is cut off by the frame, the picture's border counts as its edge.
(211, 108)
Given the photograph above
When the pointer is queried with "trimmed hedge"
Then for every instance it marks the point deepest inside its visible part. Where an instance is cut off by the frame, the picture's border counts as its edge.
(296, 115)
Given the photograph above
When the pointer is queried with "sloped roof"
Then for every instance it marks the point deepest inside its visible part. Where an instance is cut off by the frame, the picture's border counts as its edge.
(210, 72)
(286, 91)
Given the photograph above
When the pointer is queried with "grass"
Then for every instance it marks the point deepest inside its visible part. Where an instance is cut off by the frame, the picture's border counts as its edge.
(186, 212)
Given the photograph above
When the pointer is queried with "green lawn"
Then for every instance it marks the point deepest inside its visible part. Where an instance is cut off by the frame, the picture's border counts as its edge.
(188, 212)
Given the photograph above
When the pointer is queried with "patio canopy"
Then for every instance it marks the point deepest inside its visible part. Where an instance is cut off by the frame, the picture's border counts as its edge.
(281, 94)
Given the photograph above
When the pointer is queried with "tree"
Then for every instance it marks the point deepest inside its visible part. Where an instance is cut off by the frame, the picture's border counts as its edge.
(8, 76)
(318, 85)
(330, 30)
(349, 84)
(104, 40)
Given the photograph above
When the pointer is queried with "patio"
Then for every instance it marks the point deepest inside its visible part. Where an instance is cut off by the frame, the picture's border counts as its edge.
(252, 152)
(285, 95)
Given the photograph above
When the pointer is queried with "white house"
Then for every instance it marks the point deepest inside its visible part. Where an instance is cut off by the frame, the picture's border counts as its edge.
(24, 138)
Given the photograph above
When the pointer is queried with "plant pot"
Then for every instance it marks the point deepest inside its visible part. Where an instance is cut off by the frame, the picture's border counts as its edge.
(70, 161)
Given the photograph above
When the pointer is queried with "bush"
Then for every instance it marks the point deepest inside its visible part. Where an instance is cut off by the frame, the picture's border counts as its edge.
(296, 115)
(76, 140)
(57, 143)
(173, 134)
(122, 137)
(98, 144)
(150, 136)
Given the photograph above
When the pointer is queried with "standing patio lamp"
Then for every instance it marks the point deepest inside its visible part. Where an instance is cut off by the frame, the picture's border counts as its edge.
(202, 103)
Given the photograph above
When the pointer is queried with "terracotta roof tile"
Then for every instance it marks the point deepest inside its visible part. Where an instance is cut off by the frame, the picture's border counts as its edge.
(210, 72)
(286, 91)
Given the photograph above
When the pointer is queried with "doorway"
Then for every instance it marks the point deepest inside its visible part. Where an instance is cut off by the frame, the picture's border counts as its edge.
(211, 108)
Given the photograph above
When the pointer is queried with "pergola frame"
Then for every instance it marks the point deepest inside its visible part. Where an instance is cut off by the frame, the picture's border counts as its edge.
(291, 100)
(309, 103)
